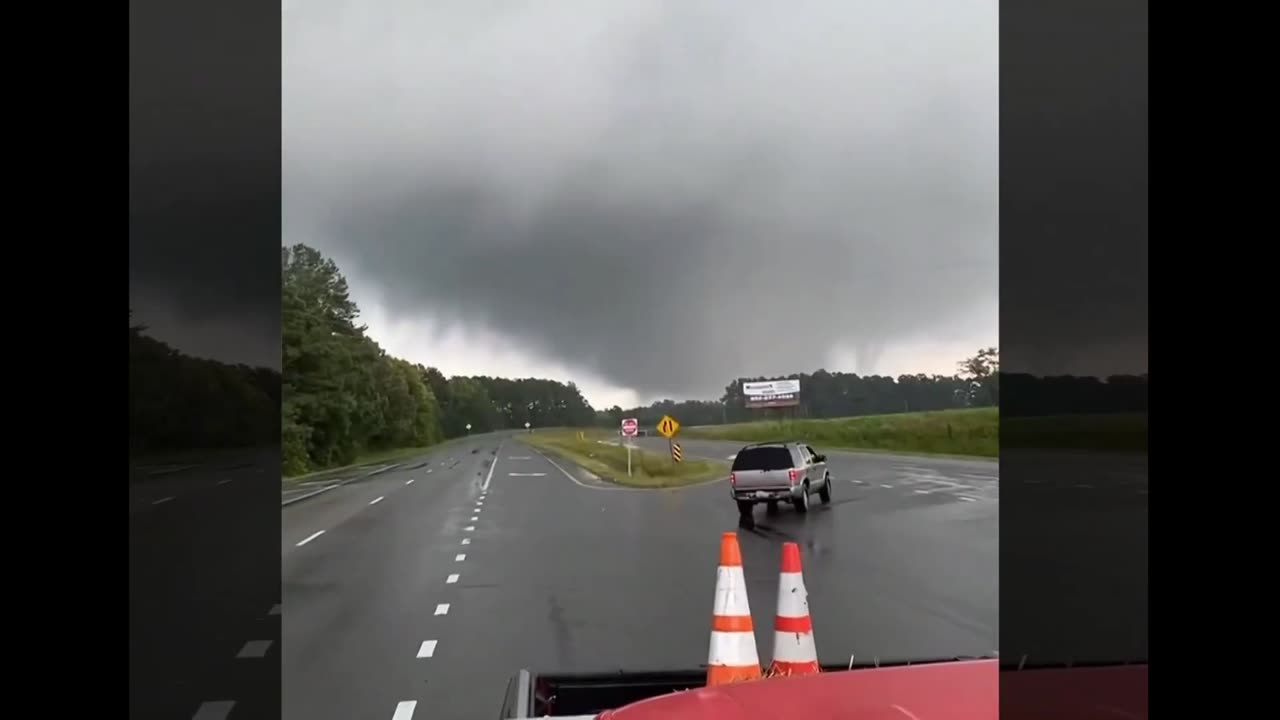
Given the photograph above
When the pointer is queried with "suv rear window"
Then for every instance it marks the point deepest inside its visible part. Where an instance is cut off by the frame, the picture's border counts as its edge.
(763, 458)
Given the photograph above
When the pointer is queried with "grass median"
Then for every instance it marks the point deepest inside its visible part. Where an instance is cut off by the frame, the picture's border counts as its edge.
(591, 450)
(974, 433)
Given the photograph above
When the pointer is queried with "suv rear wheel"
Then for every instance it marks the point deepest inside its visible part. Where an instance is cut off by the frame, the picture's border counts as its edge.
(802, 504)
(825, 492)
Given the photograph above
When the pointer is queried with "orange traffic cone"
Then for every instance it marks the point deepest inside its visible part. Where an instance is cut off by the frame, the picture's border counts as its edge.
(794, 652)
(732, 656)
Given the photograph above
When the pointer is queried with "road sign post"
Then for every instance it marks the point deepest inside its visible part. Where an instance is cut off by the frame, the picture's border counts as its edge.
(668, 427)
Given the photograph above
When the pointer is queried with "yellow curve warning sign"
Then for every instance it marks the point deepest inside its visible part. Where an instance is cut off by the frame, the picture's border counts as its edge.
(667, 426)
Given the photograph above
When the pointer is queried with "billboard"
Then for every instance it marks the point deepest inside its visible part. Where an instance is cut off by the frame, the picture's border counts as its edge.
(771, 393)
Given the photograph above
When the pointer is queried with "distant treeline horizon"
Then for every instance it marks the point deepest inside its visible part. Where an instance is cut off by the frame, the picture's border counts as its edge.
(341, 395)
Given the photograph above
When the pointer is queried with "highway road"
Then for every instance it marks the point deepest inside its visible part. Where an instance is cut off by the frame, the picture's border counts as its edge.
(204, 628)
(418, 593)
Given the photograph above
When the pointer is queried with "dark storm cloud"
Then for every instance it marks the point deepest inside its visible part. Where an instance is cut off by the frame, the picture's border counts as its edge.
(667, 195)
(204, 180)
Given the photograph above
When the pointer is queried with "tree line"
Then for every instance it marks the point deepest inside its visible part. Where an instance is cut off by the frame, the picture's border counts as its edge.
(825, 394)
(180, 402)
(343, 395)
(977, 383)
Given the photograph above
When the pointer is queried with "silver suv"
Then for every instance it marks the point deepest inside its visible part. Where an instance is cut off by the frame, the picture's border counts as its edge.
(777, 472)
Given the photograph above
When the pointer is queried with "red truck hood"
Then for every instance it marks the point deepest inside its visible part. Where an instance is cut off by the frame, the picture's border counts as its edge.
(963, 690)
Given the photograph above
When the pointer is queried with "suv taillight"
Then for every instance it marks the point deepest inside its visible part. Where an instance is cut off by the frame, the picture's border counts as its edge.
(791, 475)
(733, 479)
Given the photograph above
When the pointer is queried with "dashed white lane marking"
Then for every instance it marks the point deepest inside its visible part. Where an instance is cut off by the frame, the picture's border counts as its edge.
(451, 579)
(428, 469)
(921, 492)
(404, 710)
(442, 609)
(519, 457)
(886, 487)
(459, 557)
(730, 457)
(475, 518)
(466, 541)
(224, 482)
(526, 474)
(469, 528)
(309, 539)
(409, 481)
(275, 610)
(428, 648)
(858, 482)
(254, 649)
(162, 500)
(1086, 486)
(376, 500)
(967, 499)
(214, 710)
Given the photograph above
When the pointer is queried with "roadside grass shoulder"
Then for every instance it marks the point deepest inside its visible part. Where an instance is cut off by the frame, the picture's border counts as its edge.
(592, 449)
(966, 433)
(377, 457)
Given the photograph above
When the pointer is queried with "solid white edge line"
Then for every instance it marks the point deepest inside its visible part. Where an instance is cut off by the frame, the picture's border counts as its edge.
(428, 648)
(309, 539)
(489, 478)
(451, 579)
(214, 710)
(376, 500)
(254, 649)
(614, 488)
(442, 609)
(404, 710)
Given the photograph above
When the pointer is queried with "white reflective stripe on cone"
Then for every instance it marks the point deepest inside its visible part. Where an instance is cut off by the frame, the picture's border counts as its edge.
(733, 649)
(794, 647)
(793, 599)
(731, 592)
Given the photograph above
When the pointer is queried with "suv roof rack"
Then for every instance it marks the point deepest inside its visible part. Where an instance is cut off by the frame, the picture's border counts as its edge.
(772, 442)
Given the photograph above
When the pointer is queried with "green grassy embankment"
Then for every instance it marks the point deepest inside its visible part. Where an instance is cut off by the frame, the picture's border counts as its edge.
(648, 469)
(974, 432)
(1118, 432)
(377, 457)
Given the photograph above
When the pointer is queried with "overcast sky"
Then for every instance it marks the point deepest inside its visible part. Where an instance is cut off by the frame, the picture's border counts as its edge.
(652, 198)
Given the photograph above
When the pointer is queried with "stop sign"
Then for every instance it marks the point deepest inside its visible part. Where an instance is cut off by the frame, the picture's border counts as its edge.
(630, 426)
